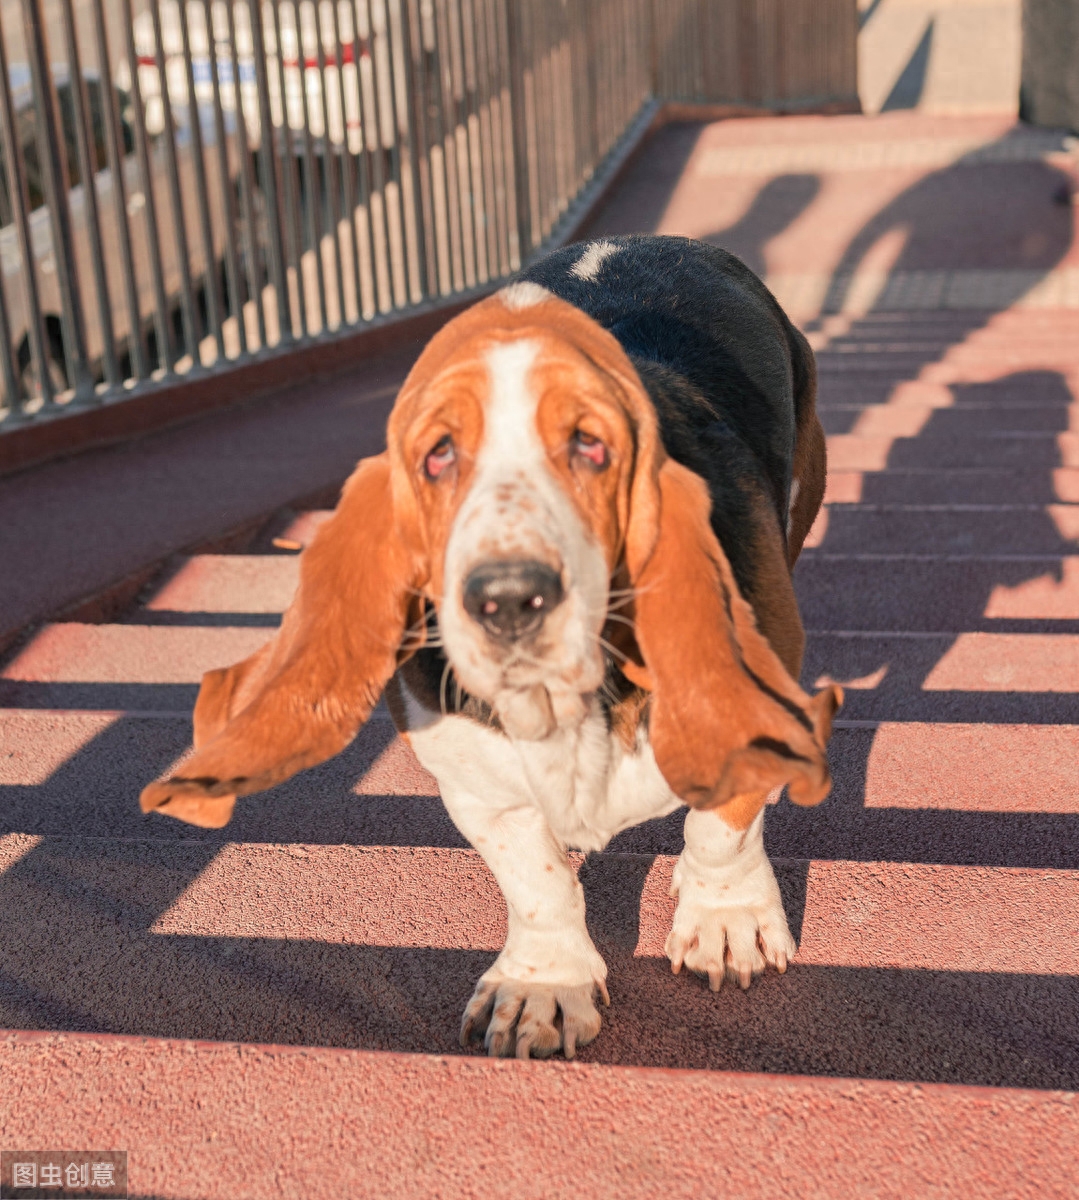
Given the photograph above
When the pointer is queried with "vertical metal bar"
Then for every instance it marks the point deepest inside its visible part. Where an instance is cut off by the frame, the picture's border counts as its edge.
(592, 99)
(7, 368)
(474, 144)
(209, 266)
(439, 174)
(20, 207)
(489, 30)
(507, 119)
(247, 182)
(50, 141)
(266, 139)
(515, 45)
(372, 121)
(188, 315)
(312, 196)
(293, 215)
(420, 143)
(449, 147)
(115, 152)
(466, 195)
(202, 199)
(389, 126)
(88, 171)
(485, 102)
(412, 126)
(541, 117)
(363, 219)
(232, 265)
(346, 164)
(330, 165)
(157, 275)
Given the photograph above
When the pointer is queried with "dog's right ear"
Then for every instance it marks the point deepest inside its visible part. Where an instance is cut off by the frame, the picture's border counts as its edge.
(303, 697)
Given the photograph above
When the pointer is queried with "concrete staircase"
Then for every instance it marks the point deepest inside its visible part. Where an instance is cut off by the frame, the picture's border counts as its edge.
(272, 1009)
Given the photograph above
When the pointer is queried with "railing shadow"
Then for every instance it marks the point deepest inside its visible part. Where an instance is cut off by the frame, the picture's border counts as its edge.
(77, 951)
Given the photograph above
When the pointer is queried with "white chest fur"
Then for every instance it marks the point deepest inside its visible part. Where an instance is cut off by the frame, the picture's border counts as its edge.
(582, 779)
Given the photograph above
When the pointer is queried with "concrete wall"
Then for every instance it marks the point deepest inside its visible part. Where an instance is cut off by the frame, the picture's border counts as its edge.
(1049, 94)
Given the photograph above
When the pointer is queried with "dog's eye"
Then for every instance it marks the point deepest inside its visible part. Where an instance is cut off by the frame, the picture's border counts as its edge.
(589, 448)
(440, 457)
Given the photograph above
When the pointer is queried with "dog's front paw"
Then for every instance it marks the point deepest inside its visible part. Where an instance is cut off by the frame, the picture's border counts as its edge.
(532, 1019)
(736, 940)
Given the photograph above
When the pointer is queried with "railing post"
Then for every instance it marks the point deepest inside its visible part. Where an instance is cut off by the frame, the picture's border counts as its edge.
(21, 209)
(266, 139)
(520, 129)
(55, 179)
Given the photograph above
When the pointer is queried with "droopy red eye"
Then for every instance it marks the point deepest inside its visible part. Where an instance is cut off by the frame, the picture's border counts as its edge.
(589, 447)
(440, 457)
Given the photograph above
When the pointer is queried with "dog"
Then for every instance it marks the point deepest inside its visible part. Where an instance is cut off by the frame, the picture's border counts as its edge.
(570, 575)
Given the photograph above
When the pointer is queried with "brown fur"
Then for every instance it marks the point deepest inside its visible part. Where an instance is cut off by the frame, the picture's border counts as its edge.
(726, 717)
(304, 697)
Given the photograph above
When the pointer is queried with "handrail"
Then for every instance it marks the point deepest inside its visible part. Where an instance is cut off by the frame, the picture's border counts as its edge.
(269, 174)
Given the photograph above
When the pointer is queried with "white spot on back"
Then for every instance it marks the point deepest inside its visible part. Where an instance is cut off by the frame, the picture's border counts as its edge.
(523, 295)
(594, 256)
(795, 488)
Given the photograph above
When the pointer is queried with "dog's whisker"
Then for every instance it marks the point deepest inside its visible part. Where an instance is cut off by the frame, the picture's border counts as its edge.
(617, 617)
(612, 650)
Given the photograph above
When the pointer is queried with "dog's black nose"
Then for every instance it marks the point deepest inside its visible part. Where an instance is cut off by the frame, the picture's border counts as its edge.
(511, 599)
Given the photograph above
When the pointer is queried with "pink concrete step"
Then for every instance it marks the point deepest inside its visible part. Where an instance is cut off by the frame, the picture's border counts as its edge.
(132, 667)
(332, 1123)
(81, 773)
(228, 583)
(904, 791)
(942, 973)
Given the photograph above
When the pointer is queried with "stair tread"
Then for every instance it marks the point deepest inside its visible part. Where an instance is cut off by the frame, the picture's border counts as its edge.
(484, 1125)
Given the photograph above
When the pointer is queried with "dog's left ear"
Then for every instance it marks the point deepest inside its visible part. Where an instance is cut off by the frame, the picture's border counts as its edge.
(303, 697)
(726, 717)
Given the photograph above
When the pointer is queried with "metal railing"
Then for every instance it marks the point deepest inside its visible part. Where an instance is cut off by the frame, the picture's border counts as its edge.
(189, 183)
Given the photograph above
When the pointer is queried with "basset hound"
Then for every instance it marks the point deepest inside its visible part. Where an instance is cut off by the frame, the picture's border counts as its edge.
(570, 575)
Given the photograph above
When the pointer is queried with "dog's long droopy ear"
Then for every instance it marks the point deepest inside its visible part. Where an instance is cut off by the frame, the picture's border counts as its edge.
(726, 717)
(303, 697)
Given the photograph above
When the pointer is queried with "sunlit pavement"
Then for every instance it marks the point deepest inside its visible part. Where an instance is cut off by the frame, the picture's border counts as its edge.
(253, 1012)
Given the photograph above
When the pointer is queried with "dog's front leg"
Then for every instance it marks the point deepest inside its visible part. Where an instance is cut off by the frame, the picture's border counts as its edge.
(540, 993)
(730, 917)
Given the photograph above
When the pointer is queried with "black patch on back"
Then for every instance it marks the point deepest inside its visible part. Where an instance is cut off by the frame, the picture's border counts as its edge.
(720, 360)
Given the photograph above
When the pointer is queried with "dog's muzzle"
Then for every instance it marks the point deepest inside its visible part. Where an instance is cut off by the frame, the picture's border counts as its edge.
(511, 600)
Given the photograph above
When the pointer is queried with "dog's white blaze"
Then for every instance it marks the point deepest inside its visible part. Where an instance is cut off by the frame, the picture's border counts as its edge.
(510, 437)
(524, 294)
(595, 255)
(518, 509)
